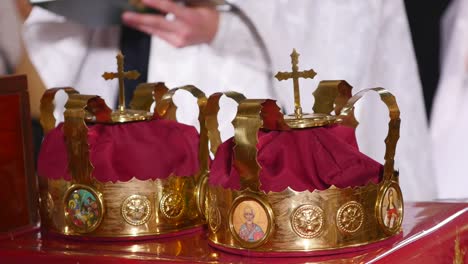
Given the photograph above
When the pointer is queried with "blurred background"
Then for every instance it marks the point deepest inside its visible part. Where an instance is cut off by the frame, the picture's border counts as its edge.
(414, 48)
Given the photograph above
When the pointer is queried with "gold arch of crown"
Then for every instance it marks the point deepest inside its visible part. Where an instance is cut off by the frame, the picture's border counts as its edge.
(162, 212)
(249, 120)
(345, 216)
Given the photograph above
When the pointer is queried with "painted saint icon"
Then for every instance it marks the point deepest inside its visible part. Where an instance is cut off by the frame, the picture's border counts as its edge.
(83, 209)
(391, 208)
(249, 231)
(250, 221)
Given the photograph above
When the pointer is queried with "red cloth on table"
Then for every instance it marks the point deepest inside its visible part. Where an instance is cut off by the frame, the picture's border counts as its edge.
(306, 159)
(142, 150)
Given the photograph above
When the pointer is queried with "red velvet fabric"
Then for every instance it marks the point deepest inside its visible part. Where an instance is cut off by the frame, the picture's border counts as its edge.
(306, 159)
(142, 150)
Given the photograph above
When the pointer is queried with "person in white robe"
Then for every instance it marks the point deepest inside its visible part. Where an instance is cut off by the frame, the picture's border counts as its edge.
(449, 114)
(10, 37)
(366, 43)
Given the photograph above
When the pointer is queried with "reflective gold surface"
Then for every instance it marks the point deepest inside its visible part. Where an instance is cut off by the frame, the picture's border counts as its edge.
(88, 222)
(76, 139)
(295, 75)
(113, 224)
(252, 115)
(146, 94)
(131, 209)
(167, 110)
(332, 96)
(459, 253)
(309, 120)
(136, 209)
(47, 107)
(333, 234)
(263, 202)
(211, 116)
(307, 221)
(122, 115)
(393, 126)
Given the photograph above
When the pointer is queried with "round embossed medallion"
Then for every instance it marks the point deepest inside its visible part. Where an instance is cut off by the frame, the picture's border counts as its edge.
(136, 210)
(350, 217)
(172, 205)
(307, 221)
(83, 208)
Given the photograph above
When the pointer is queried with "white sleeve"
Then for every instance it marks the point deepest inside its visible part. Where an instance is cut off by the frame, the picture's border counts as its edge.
(449, 113)
(56, 47)
(393, 66)
(235, 40)
(10, 37)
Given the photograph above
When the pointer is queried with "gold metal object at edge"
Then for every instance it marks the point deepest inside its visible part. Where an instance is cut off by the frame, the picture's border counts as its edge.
(459, 252)
(50, 204)
(379, 204)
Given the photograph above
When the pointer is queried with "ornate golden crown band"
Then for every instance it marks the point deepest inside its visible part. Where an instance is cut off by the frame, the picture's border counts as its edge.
(303, 222)
(87, 207)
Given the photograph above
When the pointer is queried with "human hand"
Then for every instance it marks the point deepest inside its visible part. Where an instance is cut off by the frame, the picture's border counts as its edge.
(190, 25)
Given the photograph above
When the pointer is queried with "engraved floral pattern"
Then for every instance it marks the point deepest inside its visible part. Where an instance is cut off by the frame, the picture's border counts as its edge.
(172, 205)
(136, 210)
(307, 221)
(350, 217)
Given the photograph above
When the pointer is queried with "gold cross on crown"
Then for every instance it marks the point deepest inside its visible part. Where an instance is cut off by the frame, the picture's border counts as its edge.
(121, 75)
(296, 75)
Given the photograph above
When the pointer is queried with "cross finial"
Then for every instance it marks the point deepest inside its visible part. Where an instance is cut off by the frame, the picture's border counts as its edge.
(121, 75)
(295, 75)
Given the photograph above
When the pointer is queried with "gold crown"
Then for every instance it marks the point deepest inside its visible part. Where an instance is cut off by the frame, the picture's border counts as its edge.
(87, 207)
(301, 222)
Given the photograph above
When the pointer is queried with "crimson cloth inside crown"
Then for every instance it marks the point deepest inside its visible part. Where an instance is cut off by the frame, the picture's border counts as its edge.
(307, 159)
(154, 149)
